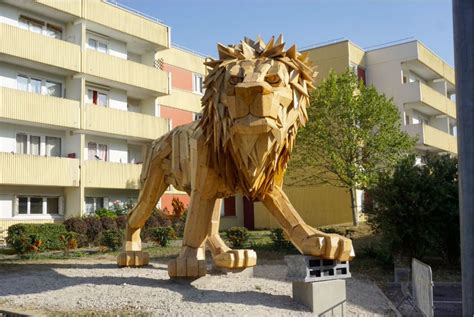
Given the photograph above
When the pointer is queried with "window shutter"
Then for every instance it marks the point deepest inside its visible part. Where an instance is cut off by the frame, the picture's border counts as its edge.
(106, 202)
(61, 205)
(16, 203)
(229, 206)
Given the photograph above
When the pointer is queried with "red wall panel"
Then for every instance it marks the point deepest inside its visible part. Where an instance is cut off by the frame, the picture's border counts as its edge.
(178, 117)
(180, 78)
(167, 198)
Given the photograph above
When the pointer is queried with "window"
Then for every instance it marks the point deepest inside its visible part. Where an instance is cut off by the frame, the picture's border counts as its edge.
(198, 86)
(97, 45)
(99, 98)
(228, 207)
(53, 89)
(37, 205)
(53, 146)
(22, 82)
(39, 86)
(21, 143)
(40, 27)
(197, 116)
(97, 151)
(35, 143)
(52, 205)
(94, 203)
(407, 119)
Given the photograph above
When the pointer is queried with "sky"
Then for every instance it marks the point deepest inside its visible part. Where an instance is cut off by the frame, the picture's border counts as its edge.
(199, 25)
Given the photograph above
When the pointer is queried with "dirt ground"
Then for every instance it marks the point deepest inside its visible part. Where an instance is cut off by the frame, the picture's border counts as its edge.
(86, 286)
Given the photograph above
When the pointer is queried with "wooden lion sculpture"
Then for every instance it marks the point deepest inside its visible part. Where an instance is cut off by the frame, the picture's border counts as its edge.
(255, 100)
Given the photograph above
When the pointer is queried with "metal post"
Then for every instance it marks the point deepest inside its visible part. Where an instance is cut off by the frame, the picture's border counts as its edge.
(463, 20)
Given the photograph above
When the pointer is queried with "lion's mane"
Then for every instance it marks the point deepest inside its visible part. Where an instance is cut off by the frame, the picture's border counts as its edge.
(216, 124)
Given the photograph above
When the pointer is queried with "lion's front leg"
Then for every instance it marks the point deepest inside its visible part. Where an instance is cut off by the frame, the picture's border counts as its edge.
(306, 239)
(222, 255)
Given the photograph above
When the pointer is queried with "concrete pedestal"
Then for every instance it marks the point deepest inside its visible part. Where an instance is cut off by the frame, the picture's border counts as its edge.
(325, 298)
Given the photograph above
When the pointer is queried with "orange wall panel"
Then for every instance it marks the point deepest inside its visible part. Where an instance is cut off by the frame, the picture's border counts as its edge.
(178, 117)
(167, 198)
(180, 78)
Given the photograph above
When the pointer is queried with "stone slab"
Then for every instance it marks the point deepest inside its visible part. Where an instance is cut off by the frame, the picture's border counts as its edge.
(325, 298)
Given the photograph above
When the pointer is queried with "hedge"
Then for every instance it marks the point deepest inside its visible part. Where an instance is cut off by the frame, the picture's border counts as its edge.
(36, 237)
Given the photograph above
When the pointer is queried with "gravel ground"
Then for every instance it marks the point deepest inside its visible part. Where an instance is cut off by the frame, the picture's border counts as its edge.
(86, 287)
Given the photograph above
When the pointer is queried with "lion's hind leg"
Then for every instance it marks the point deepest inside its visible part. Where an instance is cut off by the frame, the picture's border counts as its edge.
(222, 255)
(153, 187)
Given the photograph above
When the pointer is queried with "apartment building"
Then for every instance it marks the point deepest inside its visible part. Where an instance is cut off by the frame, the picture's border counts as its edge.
(81, 98)
(422, 86)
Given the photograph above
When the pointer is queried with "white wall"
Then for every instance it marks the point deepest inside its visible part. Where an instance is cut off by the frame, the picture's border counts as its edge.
(117, 149)
(118, 99)
(9, 72)
(9, 15)
(117, 48)
(6, 205)
(8, 137)
(72, 144)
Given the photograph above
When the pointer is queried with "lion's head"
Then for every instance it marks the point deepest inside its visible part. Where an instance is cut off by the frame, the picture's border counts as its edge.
(255, 100)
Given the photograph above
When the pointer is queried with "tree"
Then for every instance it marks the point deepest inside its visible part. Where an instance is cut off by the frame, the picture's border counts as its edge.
(353, 134)
(416, 209)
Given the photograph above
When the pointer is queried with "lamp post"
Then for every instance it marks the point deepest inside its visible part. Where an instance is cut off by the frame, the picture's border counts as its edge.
(463, 20)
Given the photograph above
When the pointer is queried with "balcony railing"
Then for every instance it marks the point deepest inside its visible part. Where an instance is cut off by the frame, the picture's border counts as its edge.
(417, 94)
(125, 123)
(126, 72)
(182, 99)
(99, 174)
(19, 169)
(30, 107)
(39, 48)
(432, 137)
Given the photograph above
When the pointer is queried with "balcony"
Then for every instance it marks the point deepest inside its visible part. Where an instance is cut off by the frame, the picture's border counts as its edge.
(120, 70)
(425, 99)
(429, 138)
(39, 48)
(124, 123)
(182, 99)
(125, 21)
(17, 105)
(428, 58)
(18, 169)
(71, 7)
(99, 174)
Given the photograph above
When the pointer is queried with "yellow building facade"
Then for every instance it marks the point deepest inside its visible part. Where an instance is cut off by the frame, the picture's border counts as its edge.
(81, 98)
(422, 87)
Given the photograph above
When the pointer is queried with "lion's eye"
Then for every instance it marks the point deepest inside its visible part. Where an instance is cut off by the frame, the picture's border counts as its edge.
(273, 79)
(234, 80)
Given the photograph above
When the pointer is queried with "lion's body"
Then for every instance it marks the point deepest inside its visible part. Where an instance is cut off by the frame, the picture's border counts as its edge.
(255, 100)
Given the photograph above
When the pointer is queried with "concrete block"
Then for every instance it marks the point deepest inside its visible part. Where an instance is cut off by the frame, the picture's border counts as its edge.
(304, 268)
(325, 298)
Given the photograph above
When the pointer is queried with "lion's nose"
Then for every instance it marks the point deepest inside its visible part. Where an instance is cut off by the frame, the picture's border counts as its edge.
(247, 92)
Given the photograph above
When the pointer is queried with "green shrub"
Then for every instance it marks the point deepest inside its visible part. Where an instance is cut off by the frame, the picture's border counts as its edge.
(416, 209)
(331, 230)
(104, 212)
(237, 236)
(121, 222)
(163, 235)
(112, 239)
(157, 219)
(94, 228)
(178, 224)
(108, 223)
(279, 240)
(25, 238)
(76, 224)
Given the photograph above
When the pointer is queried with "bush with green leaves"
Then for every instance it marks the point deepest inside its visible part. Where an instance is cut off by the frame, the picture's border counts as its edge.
(112, 239)
(104, 212)
(25, 238)
(237, 236)
(279, 240)
(157, 219)
(416, 209)
(163, 235)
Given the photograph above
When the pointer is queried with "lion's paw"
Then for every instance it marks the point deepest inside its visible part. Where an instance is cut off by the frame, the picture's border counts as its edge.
(236, 259)
(329, 246)
(133, 259)
(187, 267)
